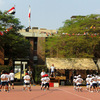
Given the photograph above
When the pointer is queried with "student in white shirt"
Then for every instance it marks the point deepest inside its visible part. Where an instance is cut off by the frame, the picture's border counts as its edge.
(98, 79)
(94, 79)
(74, 82)
(12, 75)
(88, 82)
(47, 82)
(9, 82)
(91, 83)
(43, 72)
(27, 82)
(79, 81)
(42, 82)
(52, 69)
(4, 81)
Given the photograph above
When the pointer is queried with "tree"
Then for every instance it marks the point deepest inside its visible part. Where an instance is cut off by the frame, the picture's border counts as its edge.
(89, 24)
(72, 46)
(14, 44)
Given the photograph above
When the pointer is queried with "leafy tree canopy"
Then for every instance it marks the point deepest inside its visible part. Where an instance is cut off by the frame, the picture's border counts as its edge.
(72, 46)
(14, 44)
(80, 24)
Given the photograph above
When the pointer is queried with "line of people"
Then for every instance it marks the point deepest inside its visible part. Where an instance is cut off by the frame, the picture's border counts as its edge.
(77, 82)
(7, 81)
(92, 83)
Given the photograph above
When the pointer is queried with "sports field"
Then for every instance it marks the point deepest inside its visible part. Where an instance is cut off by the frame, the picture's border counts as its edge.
(60, 93)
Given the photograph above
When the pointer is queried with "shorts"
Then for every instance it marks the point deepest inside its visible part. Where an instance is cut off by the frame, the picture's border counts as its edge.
(26, 84)
(43, 84)
(47, 85)
(12, 81)
(94, 85)
(79, 85)
(87, 84)
(4, 83)
(52, 71)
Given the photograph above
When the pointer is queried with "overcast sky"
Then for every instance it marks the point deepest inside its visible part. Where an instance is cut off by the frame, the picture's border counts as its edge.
(50, 14)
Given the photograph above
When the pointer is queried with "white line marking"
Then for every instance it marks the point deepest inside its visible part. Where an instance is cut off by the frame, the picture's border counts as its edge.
(75, 94)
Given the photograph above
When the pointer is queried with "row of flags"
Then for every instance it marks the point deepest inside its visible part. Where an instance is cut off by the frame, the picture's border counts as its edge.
(13, 11)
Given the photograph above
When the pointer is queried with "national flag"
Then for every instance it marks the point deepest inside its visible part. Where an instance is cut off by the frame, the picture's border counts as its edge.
(1, 33)
(12, 10)
(29, 15)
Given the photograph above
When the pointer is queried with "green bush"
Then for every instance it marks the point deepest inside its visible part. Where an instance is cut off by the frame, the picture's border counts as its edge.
(37, 72)
(5, 68)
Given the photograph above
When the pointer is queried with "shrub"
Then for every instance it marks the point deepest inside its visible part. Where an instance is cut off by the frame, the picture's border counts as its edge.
(37, 72)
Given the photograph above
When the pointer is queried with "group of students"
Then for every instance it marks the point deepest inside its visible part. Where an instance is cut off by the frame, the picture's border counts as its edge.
(77, 82)
(7, 81)
(92, 83)
(44, 80)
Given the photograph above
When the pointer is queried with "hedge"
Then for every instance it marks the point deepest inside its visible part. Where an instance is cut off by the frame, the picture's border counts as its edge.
(37, 72)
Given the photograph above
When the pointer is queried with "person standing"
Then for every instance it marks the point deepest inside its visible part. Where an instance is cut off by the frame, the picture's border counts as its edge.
(4, 81)
(79, 81)
(27, 82)
(43, 72)
(12, 75)
(52, 70)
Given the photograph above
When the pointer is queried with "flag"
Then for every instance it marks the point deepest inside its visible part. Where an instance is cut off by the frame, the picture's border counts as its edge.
(1, 33)
(91, 27)
(12, 10)
(29, 15)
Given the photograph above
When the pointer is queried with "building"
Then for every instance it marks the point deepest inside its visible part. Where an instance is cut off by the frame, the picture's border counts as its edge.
(36, 37)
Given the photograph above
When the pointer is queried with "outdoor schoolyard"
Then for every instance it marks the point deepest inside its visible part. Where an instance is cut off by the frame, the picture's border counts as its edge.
(55, 93)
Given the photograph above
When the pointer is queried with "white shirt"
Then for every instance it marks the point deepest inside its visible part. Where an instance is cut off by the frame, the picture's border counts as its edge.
(47, 79)
(94, 79)
(12, 76)
(98, 79)
(43, 73)
(88, 80)
(52, 68)
(43, 79)
(26, 79)
(74, 80)
(9, 77)
(4, 76)
(79, 81)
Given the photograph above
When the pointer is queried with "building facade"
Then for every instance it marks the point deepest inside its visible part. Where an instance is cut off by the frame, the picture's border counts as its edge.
(37, 38)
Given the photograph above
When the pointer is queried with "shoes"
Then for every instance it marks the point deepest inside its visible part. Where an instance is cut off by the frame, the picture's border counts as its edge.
(30, 90)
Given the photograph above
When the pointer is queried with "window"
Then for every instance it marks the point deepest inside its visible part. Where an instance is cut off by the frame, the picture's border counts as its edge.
(35, 58)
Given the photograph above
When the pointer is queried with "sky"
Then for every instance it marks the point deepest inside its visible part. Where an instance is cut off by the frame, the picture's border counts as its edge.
(50, 14)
